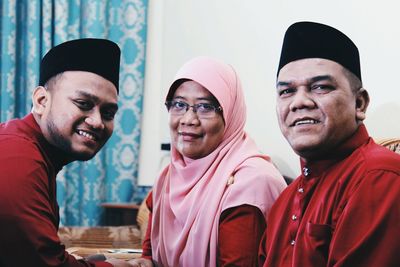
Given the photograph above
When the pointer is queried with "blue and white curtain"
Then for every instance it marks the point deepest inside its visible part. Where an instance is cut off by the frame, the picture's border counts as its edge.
(29, 28)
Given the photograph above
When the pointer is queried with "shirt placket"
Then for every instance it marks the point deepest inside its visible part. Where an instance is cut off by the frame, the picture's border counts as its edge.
(298, 203)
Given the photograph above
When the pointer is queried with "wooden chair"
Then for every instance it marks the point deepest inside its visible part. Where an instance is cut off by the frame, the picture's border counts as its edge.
(392, 144)
(142, 218)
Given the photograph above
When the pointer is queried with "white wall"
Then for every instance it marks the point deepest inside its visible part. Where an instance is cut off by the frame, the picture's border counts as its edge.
(248, 34)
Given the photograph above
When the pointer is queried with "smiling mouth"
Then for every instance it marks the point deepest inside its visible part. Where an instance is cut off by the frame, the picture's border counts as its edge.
(193, 135)
(87, 135)
(304, 122)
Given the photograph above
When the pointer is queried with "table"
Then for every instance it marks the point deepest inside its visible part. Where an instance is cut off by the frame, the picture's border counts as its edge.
(123, 254)
(120, 213)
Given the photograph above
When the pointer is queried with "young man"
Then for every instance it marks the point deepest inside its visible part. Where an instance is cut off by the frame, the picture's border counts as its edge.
(343, 210)
(72, 118)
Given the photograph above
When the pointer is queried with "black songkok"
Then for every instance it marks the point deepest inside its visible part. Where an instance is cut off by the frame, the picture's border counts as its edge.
(99, 56)
(314, 40)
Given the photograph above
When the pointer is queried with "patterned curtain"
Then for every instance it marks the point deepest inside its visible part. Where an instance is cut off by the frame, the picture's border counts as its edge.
(29, 28)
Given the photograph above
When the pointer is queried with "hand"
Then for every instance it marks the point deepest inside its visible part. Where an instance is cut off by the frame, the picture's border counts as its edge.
(141, 262)
(119, 263)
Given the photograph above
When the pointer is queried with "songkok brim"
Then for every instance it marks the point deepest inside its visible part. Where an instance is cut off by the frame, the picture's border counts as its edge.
(314, 40)
(99, 56)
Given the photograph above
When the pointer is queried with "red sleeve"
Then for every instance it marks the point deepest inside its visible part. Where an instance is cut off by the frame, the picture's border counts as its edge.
(240, 232)
(28, 213)
(146, 246)
(262, 255)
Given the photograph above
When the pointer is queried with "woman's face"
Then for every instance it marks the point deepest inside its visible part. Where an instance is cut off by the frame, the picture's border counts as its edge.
(194, 134)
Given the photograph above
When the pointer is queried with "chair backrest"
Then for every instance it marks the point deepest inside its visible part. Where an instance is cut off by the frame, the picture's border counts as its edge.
(143, 217)
(392, 144)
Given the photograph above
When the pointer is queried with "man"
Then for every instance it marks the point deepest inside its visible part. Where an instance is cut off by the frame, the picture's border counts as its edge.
(344, 208)
(72, 118)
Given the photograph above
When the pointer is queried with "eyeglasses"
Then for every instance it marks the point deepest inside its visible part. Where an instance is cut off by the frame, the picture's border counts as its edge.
(203, 110)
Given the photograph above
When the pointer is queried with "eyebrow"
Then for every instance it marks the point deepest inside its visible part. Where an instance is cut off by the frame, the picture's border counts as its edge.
(309, 81)
(321, 78)
(200, 98)
(95, 99)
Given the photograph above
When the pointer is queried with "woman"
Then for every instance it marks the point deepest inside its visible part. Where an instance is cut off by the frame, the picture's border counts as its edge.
(209, 204)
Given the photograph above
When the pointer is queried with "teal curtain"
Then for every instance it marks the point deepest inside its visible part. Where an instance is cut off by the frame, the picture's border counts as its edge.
(29, 28)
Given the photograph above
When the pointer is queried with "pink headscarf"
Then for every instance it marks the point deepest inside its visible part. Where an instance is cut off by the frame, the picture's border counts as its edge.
(190, 195)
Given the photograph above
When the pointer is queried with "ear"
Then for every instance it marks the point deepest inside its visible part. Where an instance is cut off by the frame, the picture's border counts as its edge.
(362, 101)
(40, 99)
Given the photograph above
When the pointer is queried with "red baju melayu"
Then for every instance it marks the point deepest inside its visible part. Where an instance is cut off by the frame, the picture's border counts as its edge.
(28, 207)
(343, 210)
(240, 231)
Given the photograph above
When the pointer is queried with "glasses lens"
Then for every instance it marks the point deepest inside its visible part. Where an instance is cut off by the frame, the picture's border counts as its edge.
(177, 107)
(203, 110)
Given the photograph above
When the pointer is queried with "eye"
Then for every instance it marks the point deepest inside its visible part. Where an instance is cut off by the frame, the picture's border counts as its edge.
(322, 88)
(83, 104)
(178, 105)
(108, 114)
(205, 107)
(286, 92)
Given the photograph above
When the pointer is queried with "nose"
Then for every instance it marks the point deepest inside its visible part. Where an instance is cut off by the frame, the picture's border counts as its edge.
(189, 118)
(302, 100)
(95, 120)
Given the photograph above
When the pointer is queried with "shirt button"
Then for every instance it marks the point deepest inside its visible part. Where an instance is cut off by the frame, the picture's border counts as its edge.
(306, 171)
(300, 190)
(292, 242)
(294, 217)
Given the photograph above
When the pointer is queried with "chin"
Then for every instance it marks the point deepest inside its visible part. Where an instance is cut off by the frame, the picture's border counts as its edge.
(311, 152)
(82, 155)
(304, 142)
(192, 155)
(303, 149)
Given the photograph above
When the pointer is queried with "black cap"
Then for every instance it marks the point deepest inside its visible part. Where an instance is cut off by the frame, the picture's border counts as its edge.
(314, 40)
(99, 56)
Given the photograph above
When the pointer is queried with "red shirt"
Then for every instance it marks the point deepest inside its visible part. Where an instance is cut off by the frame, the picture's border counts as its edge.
(341, 211)
(239, 234)
(28, 207)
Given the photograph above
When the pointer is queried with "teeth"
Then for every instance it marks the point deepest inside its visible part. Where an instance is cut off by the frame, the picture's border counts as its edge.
(305, 122)
(86, 134)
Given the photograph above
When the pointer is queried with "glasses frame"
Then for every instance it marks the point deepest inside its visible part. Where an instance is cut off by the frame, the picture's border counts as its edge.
(170, 103)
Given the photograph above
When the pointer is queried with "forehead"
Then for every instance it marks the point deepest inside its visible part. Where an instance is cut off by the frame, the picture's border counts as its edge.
(86, 83)
(192, 89)
(304, 69)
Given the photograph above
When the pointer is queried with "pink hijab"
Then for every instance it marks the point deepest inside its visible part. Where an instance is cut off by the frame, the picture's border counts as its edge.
(190, 195)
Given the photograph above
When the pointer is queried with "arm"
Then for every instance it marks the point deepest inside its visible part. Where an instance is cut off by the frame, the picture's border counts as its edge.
(147, 239)
(28, 212)
(240, 232)
(367, 231)
(145, 260)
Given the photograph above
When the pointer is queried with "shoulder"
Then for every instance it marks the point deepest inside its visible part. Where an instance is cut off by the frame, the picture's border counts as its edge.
(12, 140)
(371, 168)
(16, 146)
(379, 158)
(259, 169)
(24, 175)
(256, 182)
(21, 160)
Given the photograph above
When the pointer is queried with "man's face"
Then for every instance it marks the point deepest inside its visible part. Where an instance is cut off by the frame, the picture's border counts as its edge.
(316, 107)
(79, 113)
